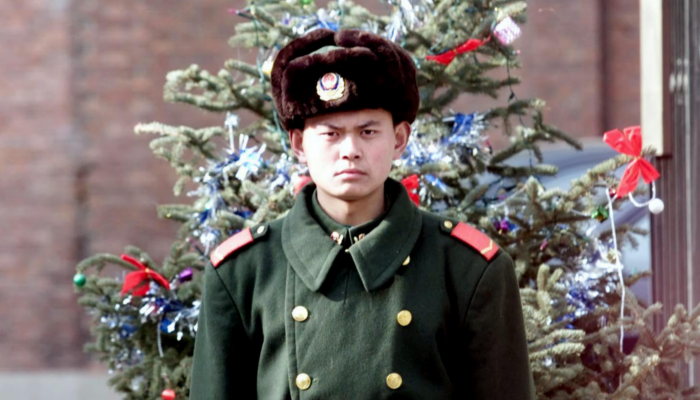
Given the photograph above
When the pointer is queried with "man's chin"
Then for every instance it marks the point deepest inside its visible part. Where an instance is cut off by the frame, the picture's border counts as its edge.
(349, 191)
(349, 195)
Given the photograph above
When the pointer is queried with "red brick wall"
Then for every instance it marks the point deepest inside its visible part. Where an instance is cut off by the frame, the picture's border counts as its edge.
(582, 59)
(622, 63)
(561, 55)
(77, 181)
(37, 184)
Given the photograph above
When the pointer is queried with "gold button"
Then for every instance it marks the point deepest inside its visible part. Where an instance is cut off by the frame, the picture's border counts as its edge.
(394, 380)
(407, 260)
(404, 317)
(300, 313)
(261, 229)
(304, 381)
(448, 224)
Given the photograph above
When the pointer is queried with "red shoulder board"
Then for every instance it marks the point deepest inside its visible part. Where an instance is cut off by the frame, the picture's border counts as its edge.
(473, 237)
(230, 245)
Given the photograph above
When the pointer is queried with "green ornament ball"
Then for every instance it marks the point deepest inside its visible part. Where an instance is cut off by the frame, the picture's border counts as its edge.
(79, 280)
(306, 2)
(601, 214)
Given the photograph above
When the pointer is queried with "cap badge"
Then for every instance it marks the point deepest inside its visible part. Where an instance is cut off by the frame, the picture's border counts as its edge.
(331, 86)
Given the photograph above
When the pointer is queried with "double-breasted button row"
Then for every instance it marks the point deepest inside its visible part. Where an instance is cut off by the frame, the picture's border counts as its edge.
(393, 381)
(301, 314)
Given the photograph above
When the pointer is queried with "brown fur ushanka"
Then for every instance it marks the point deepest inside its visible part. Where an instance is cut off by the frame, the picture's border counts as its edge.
(377, 72)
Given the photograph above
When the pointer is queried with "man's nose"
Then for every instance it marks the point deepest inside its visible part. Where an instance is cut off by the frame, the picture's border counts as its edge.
(349, 148)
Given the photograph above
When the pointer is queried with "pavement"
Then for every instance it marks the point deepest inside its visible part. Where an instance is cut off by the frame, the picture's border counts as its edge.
(63, 385)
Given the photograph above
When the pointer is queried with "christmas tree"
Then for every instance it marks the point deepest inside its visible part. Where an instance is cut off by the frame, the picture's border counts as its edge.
(573, 287)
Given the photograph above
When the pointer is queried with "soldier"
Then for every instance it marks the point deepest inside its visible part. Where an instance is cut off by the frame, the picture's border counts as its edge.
(357, 293)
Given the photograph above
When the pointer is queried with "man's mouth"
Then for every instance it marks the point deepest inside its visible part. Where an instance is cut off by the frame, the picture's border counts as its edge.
(351, 171)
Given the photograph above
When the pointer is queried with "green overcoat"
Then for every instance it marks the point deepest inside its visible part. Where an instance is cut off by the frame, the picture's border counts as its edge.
(397, 308)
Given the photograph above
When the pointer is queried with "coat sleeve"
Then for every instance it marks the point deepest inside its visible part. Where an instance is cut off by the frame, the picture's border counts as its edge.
(221, 366)
(493, 344)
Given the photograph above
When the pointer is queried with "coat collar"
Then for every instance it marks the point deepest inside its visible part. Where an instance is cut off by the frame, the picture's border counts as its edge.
(388, 240)
(346, 235)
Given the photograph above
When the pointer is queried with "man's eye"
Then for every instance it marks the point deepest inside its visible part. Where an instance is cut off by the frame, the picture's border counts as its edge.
(331, 133)
(369, 132)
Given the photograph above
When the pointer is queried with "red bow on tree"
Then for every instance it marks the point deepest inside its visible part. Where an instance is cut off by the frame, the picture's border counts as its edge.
(138, 280)
(411, 184)
(630, 143)
(447, 57)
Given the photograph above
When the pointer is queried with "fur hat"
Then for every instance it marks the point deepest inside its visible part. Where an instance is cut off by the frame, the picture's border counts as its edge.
(326, 71)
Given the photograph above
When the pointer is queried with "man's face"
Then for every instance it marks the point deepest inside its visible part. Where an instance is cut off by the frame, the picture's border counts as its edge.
(349, 153)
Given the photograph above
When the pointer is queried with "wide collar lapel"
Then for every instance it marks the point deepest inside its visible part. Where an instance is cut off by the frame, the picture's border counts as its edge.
(311, 251)
(384, 249)
(308, 248)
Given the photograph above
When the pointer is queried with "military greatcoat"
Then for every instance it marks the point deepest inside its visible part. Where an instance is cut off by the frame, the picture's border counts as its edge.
(406, 306)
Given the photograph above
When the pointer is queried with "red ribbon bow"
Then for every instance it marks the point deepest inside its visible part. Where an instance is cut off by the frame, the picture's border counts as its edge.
(411, 184)
(630, 143)
(138, 280)
(447, 57)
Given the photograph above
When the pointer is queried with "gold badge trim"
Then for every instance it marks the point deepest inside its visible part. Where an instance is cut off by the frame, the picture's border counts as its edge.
(331, 94)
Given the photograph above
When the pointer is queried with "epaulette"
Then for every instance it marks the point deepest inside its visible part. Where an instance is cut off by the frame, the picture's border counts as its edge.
(238, 241)
(473, 237)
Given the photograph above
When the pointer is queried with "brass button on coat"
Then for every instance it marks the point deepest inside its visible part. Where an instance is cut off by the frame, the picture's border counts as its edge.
(300, 313)
(407, 260)
(448, 224)
(394, 380)
(304, 381)
(404, 317)
(261, 229)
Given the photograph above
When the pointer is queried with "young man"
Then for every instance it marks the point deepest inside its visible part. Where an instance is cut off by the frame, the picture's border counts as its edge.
(357, 293)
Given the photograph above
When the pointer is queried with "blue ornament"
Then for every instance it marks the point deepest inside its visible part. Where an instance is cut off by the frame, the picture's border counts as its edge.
(324, 22)
(466, 130)
(435, 181)
(127, 330)
(167, 325)
(417, 153)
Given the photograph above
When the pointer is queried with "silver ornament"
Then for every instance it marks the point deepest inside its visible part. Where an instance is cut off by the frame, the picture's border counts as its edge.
(656, 206)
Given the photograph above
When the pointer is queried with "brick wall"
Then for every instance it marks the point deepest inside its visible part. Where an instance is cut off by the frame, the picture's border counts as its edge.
(77, 181)
(122, 51)
(582, 59)
(38, 212)
(622, 93)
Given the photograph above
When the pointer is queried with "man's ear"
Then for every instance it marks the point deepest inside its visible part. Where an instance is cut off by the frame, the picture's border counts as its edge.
(402, 132)
(296, 138)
